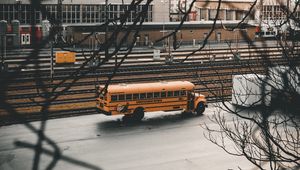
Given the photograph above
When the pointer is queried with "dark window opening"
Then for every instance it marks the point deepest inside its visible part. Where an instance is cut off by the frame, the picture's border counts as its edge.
(142, 95)
(170, 94)
(114, 98)
(128, 96)
(149, 95)
(121, 97)
(183, 93)
(163, 94)
(156, 95)
(176, 93)
(135, 96)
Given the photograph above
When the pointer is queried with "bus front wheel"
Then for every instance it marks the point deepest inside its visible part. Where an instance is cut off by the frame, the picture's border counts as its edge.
(138, 113)
(200, 108)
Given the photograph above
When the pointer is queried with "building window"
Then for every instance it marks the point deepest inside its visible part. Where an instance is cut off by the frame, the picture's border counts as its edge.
(7, 12)
(297, 14)
(273, 12)
(52, 11)
(149, 14)
(218, 37)
(1, 12)
(278, 12)
(70, 13)
(205, 35)
(267, 12)
(203, 14)
(212, 14)
(239, 15)
(73, 13)
(119, 11)
(37, 16)
(229, 15)
(221, 14)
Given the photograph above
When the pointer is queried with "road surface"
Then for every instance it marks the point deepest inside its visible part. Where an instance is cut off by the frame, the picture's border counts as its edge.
(162, 141)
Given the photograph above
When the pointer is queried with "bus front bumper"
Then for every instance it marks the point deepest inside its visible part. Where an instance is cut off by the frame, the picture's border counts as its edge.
(103, 112)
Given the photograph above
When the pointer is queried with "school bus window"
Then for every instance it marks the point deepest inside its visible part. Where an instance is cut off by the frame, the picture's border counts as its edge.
(163, 94)
(142, 95)
(170, 94)
(121, 97)
(156, 94)
(128, 96)
(114, 98)
(149, 95)
(176, 93)
(135, 96)
(183, 93)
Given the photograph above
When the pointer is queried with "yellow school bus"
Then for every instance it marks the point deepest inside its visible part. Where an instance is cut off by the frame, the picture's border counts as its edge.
(135, 99)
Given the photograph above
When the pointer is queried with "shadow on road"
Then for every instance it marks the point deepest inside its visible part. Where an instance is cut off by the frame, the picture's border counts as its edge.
(149, 122)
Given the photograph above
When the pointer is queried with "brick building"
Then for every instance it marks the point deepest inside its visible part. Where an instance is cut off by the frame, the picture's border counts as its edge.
(87, 13)
(80, 11)
(267, 15)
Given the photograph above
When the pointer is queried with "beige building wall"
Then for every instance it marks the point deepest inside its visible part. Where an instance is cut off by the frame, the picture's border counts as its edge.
(161, 10)
(229, 10)
(241, 5)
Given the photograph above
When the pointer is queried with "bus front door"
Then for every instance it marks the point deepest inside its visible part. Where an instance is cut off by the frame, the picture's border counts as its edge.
(190, 101)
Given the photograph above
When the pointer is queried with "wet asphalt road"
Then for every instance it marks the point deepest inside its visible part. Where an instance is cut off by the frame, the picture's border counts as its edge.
(162, 141)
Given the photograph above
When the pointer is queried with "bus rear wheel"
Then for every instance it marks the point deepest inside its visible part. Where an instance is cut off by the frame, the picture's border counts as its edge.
(200, 109)
(138, 113)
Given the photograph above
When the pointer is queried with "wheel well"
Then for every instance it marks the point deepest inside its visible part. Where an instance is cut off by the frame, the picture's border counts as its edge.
(198, 102)
(138, 109)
